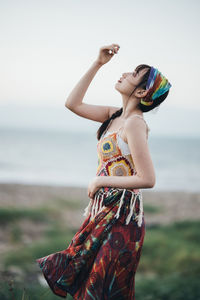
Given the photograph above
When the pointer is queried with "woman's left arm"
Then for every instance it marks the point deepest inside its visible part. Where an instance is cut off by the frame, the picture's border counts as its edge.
(138, 145)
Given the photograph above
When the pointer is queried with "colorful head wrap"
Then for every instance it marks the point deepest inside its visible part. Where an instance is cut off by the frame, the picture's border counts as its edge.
(157, 85)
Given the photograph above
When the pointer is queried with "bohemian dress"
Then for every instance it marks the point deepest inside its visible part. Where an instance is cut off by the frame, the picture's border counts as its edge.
(101, 261)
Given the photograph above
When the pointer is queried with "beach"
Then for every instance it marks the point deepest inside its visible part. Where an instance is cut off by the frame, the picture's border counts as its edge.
(37, 220)
(160, 207)
(174, 205)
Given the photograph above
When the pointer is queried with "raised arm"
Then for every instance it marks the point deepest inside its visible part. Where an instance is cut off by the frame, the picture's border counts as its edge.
(74, 102)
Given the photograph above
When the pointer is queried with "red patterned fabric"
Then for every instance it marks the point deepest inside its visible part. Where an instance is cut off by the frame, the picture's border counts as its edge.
(101, 261)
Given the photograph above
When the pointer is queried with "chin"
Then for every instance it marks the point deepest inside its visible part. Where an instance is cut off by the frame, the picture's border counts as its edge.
(117, 87)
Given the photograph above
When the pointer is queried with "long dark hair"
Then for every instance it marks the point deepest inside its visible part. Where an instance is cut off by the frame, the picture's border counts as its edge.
(141, 106)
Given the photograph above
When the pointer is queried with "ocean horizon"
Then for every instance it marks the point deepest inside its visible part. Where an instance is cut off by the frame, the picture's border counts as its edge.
(60, 157)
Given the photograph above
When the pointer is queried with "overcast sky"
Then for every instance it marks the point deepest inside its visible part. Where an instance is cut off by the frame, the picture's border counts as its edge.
(46, 46)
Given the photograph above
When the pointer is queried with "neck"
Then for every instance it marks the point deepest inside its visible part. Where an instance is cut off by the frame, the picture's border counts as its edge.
(130, 107)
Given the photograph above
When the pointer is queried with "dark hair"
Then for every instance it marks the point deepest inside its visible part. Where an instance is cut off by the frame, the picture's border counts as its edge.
(142, 107)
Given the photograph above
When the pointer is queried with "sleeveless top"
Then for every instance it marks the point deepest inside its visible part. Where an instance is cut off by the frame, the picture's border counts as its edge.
(115, 159)
(114, 156)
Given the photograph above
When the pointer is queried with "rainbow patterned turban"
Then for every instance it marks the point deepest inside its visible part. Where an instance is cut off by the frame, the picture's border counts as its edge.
(157, 85)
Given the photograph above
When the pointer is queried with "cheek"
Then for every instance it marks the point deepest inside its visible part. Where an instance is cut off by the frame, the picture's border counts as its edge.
(128, 86)
(125, 86)
(131, 82)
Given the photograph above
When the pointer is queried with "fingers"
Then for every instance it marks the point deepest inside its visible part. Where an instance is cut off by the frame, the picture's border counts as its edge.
(113, 48)
(116, 46)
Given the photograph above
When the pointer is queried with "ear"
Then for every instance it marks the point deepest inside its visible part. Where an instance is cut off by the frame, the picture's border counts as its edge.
(140, 93)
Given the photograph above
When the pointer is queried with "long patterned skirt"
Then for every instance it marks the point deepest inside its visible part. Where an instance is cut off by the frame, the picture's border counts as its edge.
(101, 261)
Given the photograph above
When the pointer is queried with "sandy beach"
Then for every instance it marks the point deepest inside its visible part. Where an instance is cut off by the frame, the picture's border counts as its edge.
(171, 205)
(159, 207)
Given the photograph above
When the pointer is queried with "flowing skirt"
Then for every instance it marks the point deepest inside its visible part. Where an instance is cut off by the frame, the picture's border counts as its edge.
(101, 261)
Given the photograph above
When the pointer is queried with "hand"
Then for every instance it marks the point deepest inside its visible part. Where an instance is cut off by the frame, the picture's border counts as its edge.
(93, 187)
(106, 53)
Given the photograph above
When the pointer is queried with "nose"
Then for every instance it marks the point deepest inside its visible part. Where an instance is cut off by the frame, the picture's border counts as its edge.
(124, 74)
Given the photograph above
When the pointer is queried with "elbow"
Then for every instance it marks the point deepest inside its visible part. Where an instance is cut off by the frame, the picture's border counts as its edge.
(148, 183)
(67, 105)
(151, 183)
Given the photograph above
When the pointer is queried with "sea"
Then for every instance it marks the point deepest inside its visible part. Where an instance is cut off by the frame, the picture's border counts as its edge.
(65, 158)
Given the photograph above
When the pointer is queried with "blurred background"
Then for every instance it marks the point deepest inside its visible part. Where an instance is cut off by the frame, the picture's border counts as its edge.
(48, 154)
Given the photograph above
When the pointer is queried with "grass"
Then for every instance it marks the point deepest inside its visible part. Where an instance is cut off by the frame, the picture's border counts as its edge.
(148, 208)
(54, 239)
(168, 270)
(171, 287)
(68, 203)
(172, 247)
(12, 290)
(16, 234)
(10, 214)
(170, 263)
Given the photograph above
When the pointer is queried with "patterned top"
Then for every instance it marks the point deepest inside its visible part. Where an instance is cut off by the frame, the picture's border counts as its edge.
(114, 156)
(115, 159)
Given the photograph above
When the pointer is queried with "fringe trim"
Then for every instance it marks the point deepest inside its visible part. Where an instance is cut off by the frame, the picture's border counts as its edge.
(87, 209)
(95, 206)
(132, 204)
(120, 204)
(140, 215)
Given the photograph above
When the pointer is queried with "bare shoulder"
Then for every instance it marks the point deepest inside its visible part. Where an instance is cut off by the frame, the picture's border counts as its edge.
(134, 126)
(133, 121)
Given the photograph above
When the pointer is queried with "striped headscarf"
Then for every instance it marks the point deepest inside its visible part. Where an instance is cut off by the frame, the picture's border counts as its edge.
(157, 85)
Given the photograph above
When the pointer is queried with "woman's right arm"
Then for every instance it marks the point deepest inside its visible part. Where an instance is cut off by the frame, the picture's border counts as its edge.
(74, 102)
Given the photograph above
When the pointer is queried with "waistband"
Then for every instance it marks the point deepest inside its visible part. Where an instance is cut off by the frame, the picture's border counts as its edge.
(105, 196)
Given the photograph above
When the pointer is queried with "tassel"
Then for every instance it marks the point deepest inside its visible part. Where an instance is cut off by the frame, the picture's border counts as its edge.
(120, 204)
(87, 209)
(132, 205)
(93, 208)
(140, 215)
(97, 204)
(101, 202)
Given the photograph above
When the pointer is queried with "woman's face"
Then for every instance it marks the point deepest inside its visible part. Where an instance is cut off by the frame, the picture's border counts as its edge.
(126, 84)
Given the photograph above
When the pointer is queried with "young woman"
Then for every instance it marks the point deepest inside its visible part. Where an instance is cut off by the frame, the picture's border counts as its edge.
(102, 258)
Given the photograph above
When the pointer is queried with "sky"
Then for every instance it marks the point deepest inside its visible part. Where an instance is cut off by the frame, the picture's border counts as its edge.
(47, 46)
